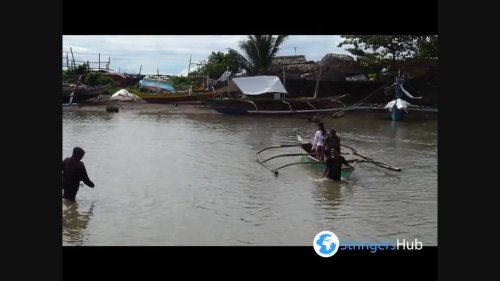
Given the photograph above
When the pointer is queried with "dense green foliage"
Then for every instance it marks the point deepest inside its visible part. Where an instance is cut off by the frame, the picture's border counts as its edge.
(217, 64)
(258, 52)
(375, 52)
(181, 83)
(88, 77)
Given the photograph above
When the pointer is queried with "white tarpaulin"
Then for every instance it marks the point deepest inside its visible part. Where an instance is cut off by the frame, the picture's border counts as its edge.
(257, 85)
(399, 104)
(224, 76)
(124, 95)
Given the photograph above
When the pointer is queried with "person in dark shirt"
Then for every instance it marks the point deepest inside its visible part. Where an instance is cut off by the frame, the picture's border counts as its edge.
(331, 140)
(334, 163)
(73, 172)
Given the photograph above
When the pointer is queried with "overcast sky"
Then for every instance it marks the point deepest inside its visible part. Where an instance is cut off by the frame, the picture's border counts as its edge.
(170, 54)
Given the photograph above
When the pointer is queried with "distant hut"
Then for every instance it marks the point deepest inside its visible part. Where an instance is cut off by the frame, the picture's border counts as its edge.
(295, 66)
(338, 67)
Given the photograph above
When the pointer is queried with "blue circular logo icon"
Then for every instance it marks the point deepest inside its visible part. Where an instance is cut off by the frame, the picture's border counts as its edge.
(326, 244)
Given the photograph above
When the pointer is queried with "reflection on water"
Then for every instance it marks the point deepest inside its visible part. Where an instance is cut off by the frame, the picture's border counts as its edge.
(175, 179)
(75, 221)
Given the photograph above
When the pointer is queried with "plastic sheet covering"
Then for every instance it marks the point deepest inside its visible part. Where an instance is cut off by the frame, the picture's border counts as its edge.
(124, 95)
(257, 85)
(400, 103)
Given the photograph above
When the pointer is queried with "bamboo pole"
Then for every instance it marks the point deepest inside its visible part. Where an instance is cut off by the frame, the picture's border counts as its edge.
(74, 90)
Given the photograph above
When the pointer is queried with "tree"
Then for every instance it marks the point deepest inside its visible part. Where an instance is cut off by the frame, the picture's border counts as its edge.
(258, 51)
(427, 46)
(375, 52)
(217, 64)
(392, 47)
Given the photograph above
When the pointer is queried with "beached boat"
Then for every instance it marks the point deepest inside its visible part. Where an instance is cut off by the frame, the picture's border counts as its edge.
(166, 97)
(161, 84)
(266, 95)
(125, 79)
(80, 92)
(156, 95)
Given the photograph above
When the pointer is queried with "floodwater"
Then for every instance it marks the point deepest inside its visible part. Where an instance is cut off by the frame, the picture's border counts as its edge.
(193, 179)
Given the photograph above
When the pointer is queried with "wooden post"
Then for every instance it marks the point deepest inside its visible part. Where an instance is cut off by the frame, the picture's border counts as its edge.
(317, 83)
(109, 62)
(284, 79)
(72, 56)
(99, 67)
(67, 61)
(189, 66)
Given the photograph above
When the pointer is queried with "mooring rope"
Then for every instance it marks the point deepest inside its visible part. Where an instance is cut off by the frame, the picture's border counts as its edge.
(338, 113)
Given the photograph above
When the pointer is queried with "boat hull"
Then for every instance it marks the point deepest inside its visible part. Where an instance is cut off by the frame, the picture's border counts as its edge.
(273, 107)
(397, 114)
(173, 97)
(83, 93)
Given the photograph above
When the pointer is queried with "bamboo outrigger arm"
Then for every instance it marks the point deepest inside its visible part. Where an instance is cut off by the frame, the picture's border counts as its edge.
(367, 159)
(283, 155)
(277, 146)
(275, 170)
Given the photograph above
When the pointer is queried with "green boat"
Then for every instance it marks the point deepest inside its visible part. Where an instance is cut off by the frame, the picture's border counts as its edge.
(309, 157)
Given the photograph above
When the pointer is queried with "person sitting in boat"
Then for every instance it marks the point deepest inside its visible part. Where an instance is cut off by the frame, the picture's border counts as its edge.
(331, 140)
(334, 163)
(318, 142)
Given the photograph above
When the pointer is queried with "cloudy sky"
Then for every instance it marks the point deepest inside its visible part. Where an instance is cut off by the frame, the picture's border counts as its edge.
(170, 54)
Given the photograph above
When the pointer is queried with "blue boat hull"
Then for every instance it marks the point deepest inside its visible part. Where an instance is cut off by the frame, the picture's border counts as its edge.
(397, 114)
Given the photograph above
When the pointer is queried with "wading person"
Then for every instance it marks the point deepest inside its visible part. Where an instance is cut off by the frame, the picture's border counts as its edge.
(73, 172)
(334, 163)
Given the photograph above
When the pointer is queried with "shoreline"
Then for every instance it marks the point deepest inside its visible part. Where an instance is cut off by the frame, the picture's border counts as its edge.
(192, 108)
(173, 108)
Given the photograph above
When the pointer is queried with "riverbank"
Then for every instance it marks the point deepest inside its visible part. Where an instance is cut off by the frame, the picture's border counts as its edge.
(179, 108)
(200, 109)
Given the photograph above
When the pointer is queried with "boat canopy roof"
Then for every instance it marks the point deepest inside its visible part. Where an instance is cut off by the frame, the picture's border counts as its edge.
(257, 85)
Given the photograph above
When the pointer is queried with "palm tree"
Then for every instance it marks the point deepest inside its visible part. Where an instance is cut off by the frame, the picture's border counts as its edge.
(259, 51)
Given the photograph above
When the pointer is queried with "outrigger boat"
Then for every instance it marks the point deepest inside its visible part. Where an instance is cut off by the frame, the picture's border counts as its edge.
(397, 107)
(266, 95)
(309, 157)
(345, 172)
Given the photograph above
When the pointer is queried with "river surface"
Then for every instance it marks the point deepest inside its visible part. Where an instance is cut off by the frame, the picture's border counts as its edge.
(193, 179)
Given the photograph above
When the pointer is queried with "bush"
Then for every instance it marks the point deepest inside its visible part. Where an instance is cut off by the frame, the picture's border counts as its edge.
(102, 80)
